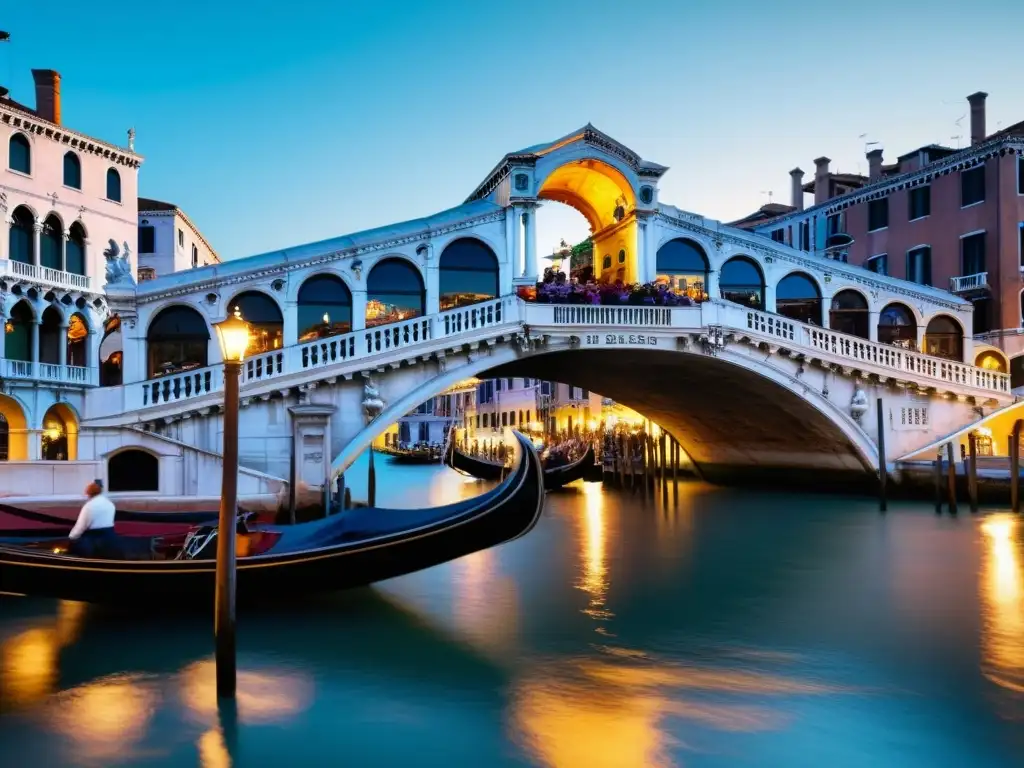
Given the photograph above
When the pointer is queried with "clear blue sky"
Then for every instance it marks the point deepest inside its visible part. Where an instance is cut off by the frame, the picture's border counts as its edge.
(277, 123)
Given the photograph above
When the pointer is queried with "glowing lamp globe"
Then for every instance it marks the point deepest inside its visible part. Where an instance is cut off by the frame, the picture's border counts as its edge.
(234, 334)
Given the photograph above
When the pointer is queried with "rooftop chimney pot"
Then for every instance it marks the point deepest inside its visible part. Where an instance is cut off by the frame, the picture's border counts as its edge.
(821, 180)
(977, 102)
(47, 94)
(874, 165)
(797, 189)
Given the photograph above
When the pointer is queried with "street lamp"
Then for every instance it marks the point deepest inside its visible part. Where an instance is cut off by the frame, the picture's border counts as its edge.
(233, 335)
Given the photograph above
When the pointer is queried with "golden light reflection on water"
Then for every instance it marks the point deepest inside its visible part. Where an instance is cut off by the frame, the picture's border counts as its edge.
(594, 579)
(213, 752)
(614, 714)
(107, 718)
(486, 602)
(262, 697)
(1002, 600)
(30, 661)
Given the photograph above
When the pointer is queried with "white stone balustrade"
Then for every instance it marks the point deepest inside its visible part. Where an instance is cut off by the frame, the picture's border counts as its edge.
(55, 277)
(973, 282)
(50, 373)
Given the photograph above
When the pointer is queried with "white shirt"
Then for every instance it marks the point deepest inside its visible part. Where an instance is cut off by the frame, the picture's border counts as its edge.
(97, 512)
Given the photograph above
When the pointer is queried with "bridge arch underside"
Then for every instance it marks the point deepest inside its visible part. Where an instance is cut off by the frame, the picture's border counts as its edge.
(738, 426)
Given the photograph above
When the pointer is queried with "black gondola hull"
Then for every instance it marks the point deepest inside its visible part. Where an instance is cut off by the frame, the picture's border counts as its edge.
(490, 470)
(506, 513)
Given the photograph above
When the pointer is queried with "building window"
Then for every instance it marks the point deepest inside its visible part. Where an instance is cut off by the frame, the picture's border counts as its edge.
(622, 257)
(920, 203)
(74, 250)
(835, 224)
(195, 256)
(879, 264)
(919, 265)
(1020, 242)
(805, 235)
(982, 321)
(878, 214)
(113, 185)
(779, 235)
(972, 186)
(181, 238)
(147, 239)
(972, 254)
(72, 171)
(741, 281)
(19, 154)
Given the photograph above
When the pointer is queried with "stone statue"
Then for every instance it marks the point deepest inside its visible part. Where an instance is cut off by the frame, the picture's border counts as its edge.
(119, 269)
(131, 139)
(858, 404)
(372, 402)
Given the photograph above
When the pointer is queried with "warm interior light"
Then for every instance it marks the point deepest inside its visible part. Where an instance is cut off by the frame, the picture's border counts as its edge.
(8, 327)
(327, 319)
(234, 335)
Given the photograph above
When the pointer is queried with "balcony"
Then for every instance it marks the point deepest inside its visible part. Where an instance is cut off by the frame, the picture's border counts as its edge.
(49, 373)
(976, 283)
(18, 270)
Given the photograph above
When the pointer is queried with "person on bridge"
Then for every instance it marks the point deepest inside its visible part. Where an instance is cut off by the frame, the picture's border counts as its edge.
(93, 534)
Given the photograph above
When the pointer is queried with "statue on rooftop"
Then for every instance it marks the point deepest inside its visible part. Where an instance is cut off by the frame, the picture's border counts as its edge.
(119, 268)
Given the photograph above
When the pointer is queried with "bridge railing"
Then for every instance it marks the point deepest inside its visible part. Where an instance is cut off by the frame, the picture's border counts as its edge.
(854, 350)
(626, 315)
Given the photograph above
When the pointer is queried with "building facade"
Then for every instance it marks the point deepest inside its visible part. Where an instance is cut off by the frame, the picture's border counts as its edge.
(67, 204)
(949, 218)
(169, 241)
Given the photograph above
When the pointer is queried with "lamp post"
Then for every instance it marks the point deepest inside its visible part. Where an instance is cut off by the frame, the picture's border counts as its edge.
(233, 334)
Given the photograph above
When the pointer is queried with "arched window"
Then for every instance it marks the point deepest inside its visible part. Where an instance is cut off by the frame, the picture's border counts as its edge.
(468, 273)
(741, 281)
(263, 314)
(111, 353)
(797, 297)
(18, 333)
(74, 254)
(944, 338)
(991, 361)
(78, 341)
(896, 326)
(113, 185)
(72, 171)
(49, 336)
(59, 440)
(51, 243)
(325, 307)
(22, 238)
(394, 292)
(606, 263)
(19, 154)
(195, 256)
(133, 470)
(849, 314)
(178, 340)
(683, 266)
(622, 256)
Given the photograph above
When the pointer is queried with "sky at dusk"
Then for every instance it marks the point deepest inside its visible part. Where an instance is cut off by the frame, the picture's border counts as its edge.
(274, 124)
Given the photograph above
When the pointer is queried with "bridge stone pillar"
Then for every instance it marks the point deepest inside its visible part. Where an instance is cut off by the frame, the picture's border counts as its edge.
(769, 297)
(516, 255)
(873, 317)
(311, 457)
(433, 287)
(291, 324)
(530, 236)
(358, 309)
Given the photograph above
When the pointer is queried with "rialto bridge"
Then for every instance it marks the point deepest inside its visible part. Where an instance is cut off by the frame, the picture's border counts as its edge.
(773, 361)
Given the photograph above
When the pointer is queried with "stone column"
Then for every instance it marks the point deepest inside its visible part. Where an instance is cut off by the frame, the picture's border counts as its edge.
(358, 309)
(311, 458)
(510, 254)
(530, 227)
(64, 251)
(5, 232)
(769, 297)
(37, 236)
(518, 266)
(62, 344)
(290, 331)
(873, 317)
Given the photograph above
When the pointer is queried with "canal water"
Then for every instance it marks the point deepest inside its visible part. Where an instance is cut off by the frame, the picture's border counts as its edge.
(700, 627)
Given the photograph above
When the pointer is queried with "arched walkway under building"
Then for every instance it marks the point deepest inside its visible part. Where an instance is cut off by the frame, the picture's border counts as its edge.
(59, 440)
(13, 430)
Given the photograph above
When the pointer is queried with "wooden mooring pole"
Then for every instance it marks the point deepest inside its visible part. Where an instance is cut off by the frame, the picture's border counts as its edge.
(938, 483)
(951, 478)
(972, 470)
(883, 473)
(1015, 467)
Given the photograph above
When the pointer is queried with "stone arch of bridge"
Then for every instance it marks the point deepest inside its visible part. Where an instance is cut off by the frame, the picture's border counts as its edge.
(726, 412)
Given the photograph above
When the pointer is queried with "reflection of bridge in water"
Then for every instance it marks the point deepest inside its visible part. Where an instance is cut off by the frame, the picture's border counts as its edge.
(760, 377)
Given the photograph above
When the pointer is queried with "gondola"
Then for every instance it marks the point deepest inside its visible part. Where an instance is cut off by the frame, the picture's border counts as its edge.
(491, 470)
(354, 548)
(413, 456)
(20, 523)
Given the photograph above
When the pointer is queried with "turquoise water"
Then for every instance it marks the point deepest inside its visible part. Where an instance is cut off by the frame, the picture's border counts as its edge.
(701, 627)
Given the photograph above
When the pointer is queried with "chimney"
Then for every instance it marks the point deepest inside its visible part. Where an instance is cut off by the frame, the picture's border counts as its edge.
(874, 165)
(821, 180)
(797, 186)
(47, 94)
(977, 102)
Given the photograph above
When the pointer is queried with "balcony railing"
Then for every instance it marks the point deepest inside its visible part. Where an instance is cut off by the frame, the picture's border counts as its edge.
(976, 282)
(55, 277)
(49, 372)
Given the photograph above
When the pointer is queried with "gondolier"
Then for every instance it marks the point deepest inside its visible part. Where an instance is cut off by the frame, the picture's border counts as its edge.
(93, 534)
